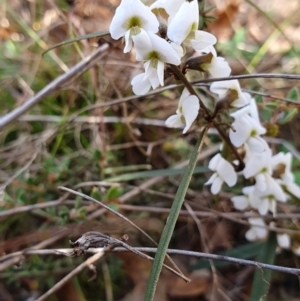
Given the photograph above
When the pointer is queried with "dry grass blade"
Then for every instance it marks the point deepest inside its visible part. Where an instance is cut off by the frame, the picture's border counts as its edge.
(121, 216)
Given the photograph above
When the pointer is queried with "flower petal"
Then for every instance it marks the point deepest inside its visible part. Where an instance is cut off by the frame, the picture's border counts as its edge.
(140, 86)
(181, 25)
(202, 39)
(190, 109)
(174, 121)
(240, 202)
(214, 162)
(142, 45)
(216, 185)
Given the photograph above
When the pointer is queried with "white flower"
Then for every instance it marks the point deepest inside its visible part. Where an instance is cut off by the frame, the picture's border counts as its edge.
(266, 200)
(247, 130)
(141, 85)
(131, 16)
(258, 231)
(218, 67)
(186, 113)
(258, 165)
(183, 28)
(224, 172)
(284, 241)
(155, 51)
(223, 87)
(242, 202)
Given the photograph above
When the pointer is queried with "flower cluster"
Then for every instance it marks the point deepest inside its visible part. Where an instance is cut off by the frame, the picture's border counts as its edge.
(160, 35)
(139, 26)
(271, 175)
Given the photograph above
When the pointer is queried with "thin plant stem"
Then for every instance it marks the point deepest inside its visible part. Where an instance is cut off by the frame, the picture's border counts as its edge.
(245, 262)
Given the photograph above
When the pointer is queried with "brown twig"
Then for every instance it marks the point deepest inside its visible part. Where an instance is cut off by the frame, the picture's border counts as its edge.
(179, 252)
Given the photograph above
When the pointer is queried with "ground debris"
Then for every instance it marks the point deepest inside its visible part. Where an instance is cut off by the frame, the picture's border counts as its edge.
(94, 239)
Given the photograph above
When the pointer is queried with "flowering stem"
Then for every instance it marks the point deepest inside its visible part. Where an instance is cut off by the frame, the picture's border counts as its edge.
(209, 117)
(190, 88)
(228, 142)
(172, 218)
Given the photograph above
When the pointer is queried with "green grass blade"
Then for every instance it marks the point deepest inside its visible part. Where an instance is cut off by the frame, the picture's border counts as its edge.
(171, 221)
(76, 39)
(262, 278)
(154, 173)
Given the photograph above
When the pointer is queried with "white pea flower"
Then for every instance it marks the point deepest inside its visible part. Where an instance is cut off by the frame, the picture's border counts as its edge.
(223, 87)
(131, 16)
(186, 113)
(258, 231)
(155, 51)
(266, 200)
(183, 28)
(224, 172)
(242, 202)
(258, 165)
(247, 130)
(218, 67)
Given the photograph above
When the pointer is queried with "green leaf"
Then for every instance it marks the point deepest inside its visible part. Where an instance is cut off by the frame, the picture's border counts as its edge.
(114, 193)
(288, 115)
(262, 278)
(171, 221)
(293, 95)
(84, 37)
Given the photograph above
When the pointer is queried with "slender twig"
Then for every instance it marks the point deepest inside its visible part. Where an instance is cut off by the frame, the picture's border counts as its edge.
(93, 119)
(157, 91)
(245, 76)
(179, 252)
(58, 83)
(159, 210)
